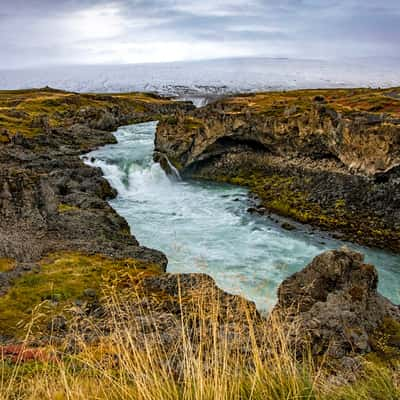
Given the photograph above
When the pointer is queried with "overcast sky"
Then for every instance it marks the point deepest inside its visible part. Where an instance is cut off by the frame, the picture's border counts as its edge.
(47, 32)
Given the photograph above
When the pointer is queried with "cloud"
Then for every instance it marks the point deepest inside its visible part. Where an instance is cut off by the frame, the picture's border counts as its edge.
(44, 32)
(221, 8)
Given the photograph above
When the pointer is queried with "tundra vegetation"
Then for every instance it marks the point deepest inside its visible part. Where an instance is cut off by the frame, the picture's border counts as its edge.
(132, 360)
(88, 313)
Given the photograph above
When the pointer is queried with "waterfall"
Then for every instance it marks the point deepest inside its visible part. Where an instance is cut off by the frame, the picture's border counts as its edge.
(174, 172)
(168, 167)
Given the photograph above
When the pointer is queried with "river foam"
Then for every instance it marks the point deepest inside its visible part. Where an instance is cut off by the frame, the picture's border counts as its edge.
(205, 227)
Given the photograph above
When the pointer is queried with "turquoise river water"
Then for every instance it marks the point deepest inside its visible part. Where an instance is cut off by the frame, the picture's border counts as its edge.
(205, 227)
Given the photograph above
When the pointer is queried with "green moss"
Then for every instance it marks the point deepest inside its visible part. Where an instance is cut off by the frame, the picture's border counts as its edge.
(7, 264)
(386, 340)
(178, 165)
(238, 181)
(62, 279)
(340, 203)
(191, 123)
(62, 208)
(171, 120)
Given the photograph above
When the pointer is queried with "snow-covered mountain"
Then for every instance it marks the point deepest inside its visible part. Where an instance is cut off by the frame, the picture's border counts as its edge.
(197, 79)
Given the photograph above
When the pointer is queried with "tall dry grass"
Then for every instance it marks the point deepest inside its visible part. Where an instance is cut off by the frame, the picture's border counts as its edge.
(190, 356)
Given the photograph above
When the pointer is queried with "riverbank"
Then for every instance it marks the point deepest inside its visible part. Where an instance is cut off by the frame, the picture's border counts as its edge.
(180, 337)
(51, 202)
(205, 227)
(328, 158)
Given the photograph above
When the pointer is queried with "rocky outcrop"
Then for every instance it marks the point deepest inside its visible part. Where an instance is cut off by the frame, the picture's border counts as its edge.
(327, 158)
(333, 306)
(49, 199)
(330, 310)
(291, 124)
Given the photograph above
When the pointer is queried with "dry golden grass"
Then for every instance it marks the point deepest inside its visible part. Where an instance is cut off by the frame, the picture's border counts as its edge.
(207, 359)
(21, 110)
(342, 100)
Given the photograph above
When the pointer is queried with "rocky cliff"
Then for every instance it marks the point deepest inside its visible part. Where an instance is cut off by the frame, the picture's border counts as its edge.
(50, 201)
(329, 158)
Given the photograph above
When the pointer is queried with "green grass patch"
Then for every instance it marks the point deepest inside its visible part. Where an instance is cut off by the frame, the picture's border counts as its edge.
(62, 279)
(7, 264)
(63, 208)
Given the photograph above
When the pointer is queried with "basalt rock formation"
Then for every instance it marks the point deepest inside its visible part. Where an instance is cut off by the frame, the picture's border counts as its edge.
(329, 158)
(333, 306)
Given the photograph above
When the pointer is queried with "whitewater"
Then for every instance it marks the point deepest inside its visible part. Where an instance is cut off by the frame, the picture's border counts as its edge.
(205, 227)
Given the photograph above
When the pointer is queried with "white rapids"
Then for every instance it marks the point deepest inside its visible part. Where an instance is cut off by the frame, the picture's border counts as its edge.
(205, 227)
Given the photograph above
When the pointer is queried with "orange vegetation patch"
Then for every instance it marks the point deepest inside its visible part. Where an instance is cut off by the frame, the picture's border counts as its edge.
(20, 353)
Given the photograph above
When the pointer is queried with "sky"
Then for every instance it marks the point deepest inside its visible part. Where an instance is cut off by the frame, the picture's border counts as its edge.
(59, 32)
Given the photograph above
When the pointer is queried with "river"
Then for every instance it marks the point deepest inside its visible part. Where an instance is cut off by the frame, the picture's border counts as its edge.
(205, 227)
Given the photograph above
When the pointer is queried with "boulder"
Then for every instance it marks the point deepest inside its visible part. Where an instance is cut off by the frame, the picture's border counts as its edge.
(333, 306)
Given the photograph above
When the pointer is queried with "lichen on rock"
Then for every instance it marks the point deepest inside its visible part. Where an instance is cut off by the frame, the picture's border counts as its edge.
(336, 308)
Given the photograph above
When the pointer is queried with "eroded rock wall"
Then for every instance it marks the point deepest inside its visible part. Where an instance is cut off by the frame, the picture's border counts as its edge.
(326, 158)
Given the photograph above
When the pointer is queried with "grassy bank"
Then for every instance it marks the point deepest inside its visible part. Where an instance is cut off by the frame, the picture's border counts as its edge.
(28, 112)
(206, 359)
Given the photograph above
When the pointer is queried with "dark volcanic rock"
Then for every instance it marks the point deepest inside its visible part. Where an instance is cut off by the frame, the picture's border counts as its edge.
(328, 158)
(335, 306)
(200, 289)
(49, 199)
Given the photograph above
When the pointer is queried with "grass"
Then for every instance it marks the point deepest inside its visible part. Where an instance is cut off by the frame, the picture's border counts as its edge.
(28, 111)
(7, 264)
(61, 280)
(208, 358)
(275, 104)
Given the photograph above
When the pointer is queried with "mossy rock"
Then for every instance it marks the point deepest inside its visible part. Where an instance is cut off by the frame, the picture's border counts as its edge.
(7, 264)
(385, 340)
(63, 208)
